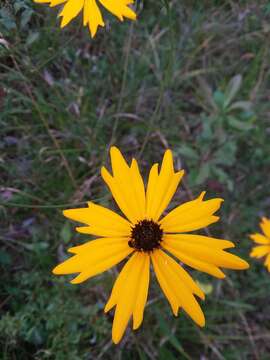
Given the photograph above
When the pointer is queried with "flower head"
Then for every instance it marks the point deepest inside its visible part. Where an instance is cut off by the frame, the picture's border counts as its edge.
(263, 249)
(144, 237)
(91, 12)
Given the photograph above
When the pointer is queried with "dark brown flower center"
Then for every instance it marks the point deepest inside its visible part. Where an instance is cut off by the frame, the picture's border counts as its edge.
(146, 235)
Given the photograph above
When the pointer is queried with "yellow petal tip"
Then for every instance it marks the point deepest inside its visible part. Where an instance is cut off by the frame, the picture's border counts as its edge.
(181, 172)
(74, 281)
(201, 321)
(67, 212)
(136, 326)
(104, 172)
(79, 229)
(56, 271)
(107, 308)
(114, 149)
(244, 265)
(116, 339)
(202, 195)
(64, 212)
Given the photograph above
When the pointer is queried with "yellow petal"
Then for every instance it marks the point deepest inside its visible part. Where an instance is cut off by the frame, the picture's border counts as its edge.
(130, 181)
(260, 239)
(260, 251)
(142, 293)
(119, 164)
(98, 231)
(126, 186)
(100, 243)
(180, 210)
(176, 282)
(93, 258)
(129, 294)
(102, 221)
(191, 216)
(119, 8)
(267, 262)
(151, 189)
(120, 283)
(193, 239)
(192, 226)
(195, 263)
(118, 195)
(57, 2)
(265, 226)
(70, 11)
(161, 183)
(168, 291)
(161, 187)
(186, 207)
(170, 191)
(92, 16)
(182, 275)
(204, 253)
(139, 189)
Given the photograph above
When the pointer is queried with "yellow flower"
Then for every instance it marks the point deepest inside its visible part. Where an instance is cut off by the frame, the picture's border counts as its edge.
(264, 240)
(145, 238)
(91, 13)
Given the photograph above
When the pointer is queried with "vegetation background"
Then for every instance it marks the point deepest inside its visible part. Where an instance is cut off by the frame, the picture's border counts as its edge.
(194, 77)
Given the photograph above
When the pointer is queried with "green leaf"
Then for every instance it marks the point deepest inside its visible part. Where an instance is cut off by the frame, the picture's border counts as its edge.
(238, 124)
(225, 155)
(33, 37)
(232, 89)
(7, 20)
(187, 151)
(241, 105)
(219, 99)
(204, 173)
(66, 233)
(26, 17)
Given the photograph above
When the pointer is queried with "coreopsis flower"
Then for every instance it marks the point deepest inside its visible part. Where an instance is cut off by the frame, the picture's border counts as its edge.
(263, 249)
(91, 12)
(144, 238)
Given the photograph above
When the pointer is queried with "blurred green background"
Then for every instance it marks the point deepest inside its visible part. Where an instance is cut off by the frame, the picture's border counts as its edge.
(195, 78)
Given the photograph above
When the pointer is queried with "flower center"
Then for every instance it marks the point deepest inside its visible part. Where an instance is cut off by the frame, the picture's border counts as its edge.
(146, 236)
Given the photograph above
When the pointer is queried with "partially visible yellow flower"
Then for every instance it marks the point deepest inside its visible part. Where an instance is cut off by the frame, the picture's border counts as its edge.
(91, 13)
(144, 237)
(264, 240)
